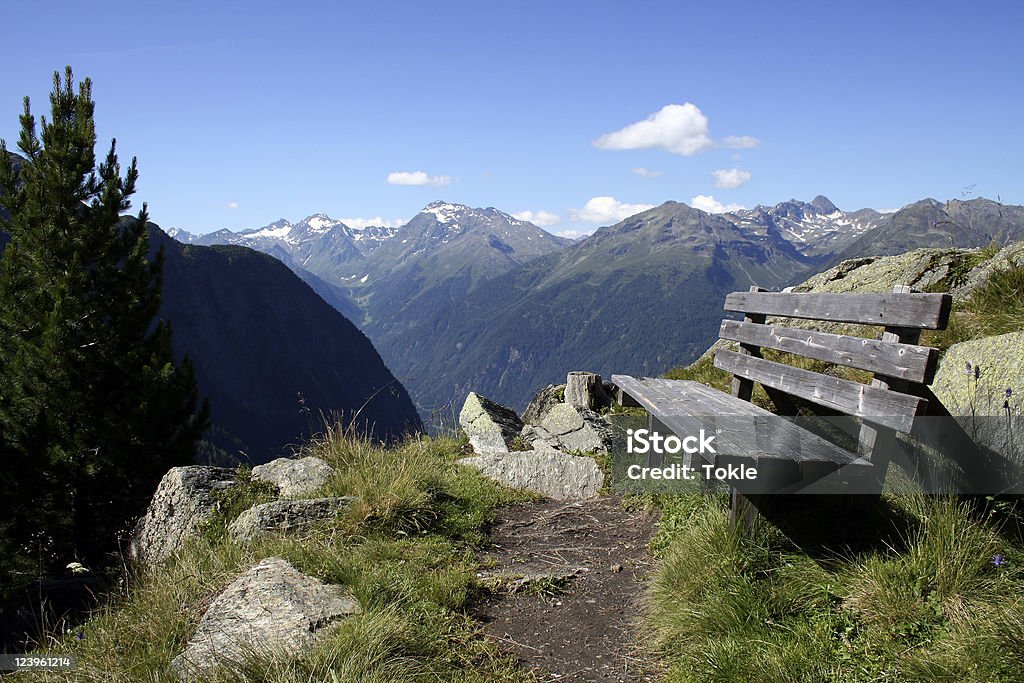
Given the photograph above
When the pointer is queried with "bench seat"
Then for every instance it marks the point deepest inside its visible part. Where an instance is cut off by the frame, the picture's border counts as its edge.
(744, 431)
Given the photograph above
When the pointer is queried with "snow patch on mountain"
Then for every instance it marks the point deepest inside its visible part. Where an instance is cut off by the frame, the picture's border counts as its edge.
(445, 212)
(274, 231)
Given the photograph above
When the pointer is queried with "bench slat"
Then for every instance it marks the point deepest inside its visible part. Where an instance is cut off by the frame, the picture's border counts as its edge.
(686, 406)
(904, 361)
(926, 311)
(888, 408)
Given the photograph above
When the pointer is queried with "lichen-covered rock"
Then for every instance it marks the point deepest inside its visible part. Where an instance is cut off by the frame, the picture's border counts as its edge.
(981, 404)
(271, 609)
(549, 396)
(184, 500)
(489, 425)
(545, 471)
(287, 516)
(1008, 257)
(294, 477)
(919, 269)
(1000, 363)
(574, 429)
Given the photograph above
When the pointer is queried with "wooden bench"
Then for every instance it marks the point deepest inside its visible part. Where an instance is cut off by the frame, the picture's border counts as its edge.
(890, 404)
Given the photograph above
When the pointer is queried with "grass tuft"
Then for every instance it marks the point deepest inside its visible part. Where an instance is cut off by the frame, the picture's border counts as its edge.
(729, 606)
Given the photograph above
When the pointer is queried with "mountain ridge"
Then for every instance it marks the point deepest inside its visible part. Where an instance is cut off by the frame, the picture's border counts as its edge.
(451, 308)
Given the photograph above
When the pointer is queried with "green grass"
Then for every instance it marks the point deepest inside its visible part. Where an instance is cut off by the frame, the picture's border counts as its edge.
(726, 606)
(406, 552)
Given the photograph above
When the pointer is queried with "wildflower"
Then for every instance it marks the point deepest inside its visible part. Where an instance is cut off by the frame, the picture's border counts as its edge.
(1008, 393)
(968, 369)
(80, 635)
(998, 560)
(977, 372)
(77, 568)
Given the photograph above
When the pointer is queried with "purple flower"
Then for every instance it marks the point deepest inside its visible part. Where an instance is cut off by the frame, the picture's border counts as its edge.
(977, 371)
(998, 560)
(968, 369)
(1008, 393)
(80, 635)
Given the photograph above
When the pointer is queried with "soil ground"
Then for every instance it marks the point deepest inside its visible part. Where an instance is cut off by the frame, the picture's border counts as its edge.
(569, 581)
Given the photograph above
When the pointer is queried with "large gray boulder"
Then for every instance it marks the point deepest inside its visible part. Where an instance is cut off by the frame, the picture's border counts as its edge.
(572, 429)
(545, 471)
(271, 609)
(287, 516)
(294, 477)
(489, 425)
(980, 404)
(1000, 365)
(184, 500)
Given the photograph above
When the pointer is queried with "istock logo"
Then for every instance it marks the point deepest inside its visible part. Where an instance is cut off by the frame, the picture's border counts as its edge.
(641, 441)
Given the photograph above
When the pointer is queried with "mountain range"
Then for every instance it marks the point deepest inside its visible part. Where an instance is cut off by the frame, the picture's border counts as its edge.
(465, 299)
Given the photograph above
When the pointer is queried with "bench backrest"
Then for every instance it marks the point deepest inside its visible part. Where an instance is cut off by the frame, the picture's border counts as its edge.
(899, 364)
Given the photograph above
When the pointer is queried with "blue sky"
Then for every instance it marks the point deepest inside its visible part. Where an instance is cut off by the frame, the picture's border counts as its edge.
(243, 113)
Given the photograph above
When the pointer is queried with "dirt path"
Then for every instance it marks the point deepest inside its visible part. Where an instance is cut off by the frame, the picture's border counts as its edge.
(568, 580)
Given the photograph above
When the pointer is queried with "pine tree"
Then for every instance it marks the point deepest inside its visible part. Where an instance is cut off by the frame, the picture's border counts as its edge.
(93, 407)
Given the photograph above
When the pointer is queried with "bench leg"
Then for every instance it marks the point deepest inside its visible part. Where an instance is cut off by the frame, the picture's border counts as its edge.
(742, 513)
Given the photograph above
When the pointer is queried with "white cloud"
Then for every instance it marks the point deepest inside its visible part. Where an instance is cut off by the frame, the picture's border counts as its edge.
(731, 179)
(740, 141)
(706, 202)
(541, 218)
(418, 178)
(677, 128)
(645, 173)
(574, 234)
(360, 223)
(232, 205)
(607, 210)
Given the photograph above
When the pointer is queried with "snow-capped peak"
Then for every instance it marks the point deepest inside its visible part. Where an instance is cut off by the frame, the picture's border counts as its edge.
(445, 212)
(320, 223)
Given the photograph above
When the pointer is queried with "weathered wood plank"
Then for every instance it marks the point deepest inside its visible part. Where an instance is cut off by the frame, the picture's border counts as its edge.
(888, 408)
(685, 407)
(927, 311)
(904, 361)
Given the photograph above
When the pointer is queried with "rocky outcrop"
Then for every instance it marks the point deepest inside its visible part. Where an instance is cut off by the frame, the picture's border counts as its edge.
(287, 516)
(184, 500)
(544, 470)
(920, 269)
(271, 609)
(489, 426)
(293, 477)
(559, 434)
